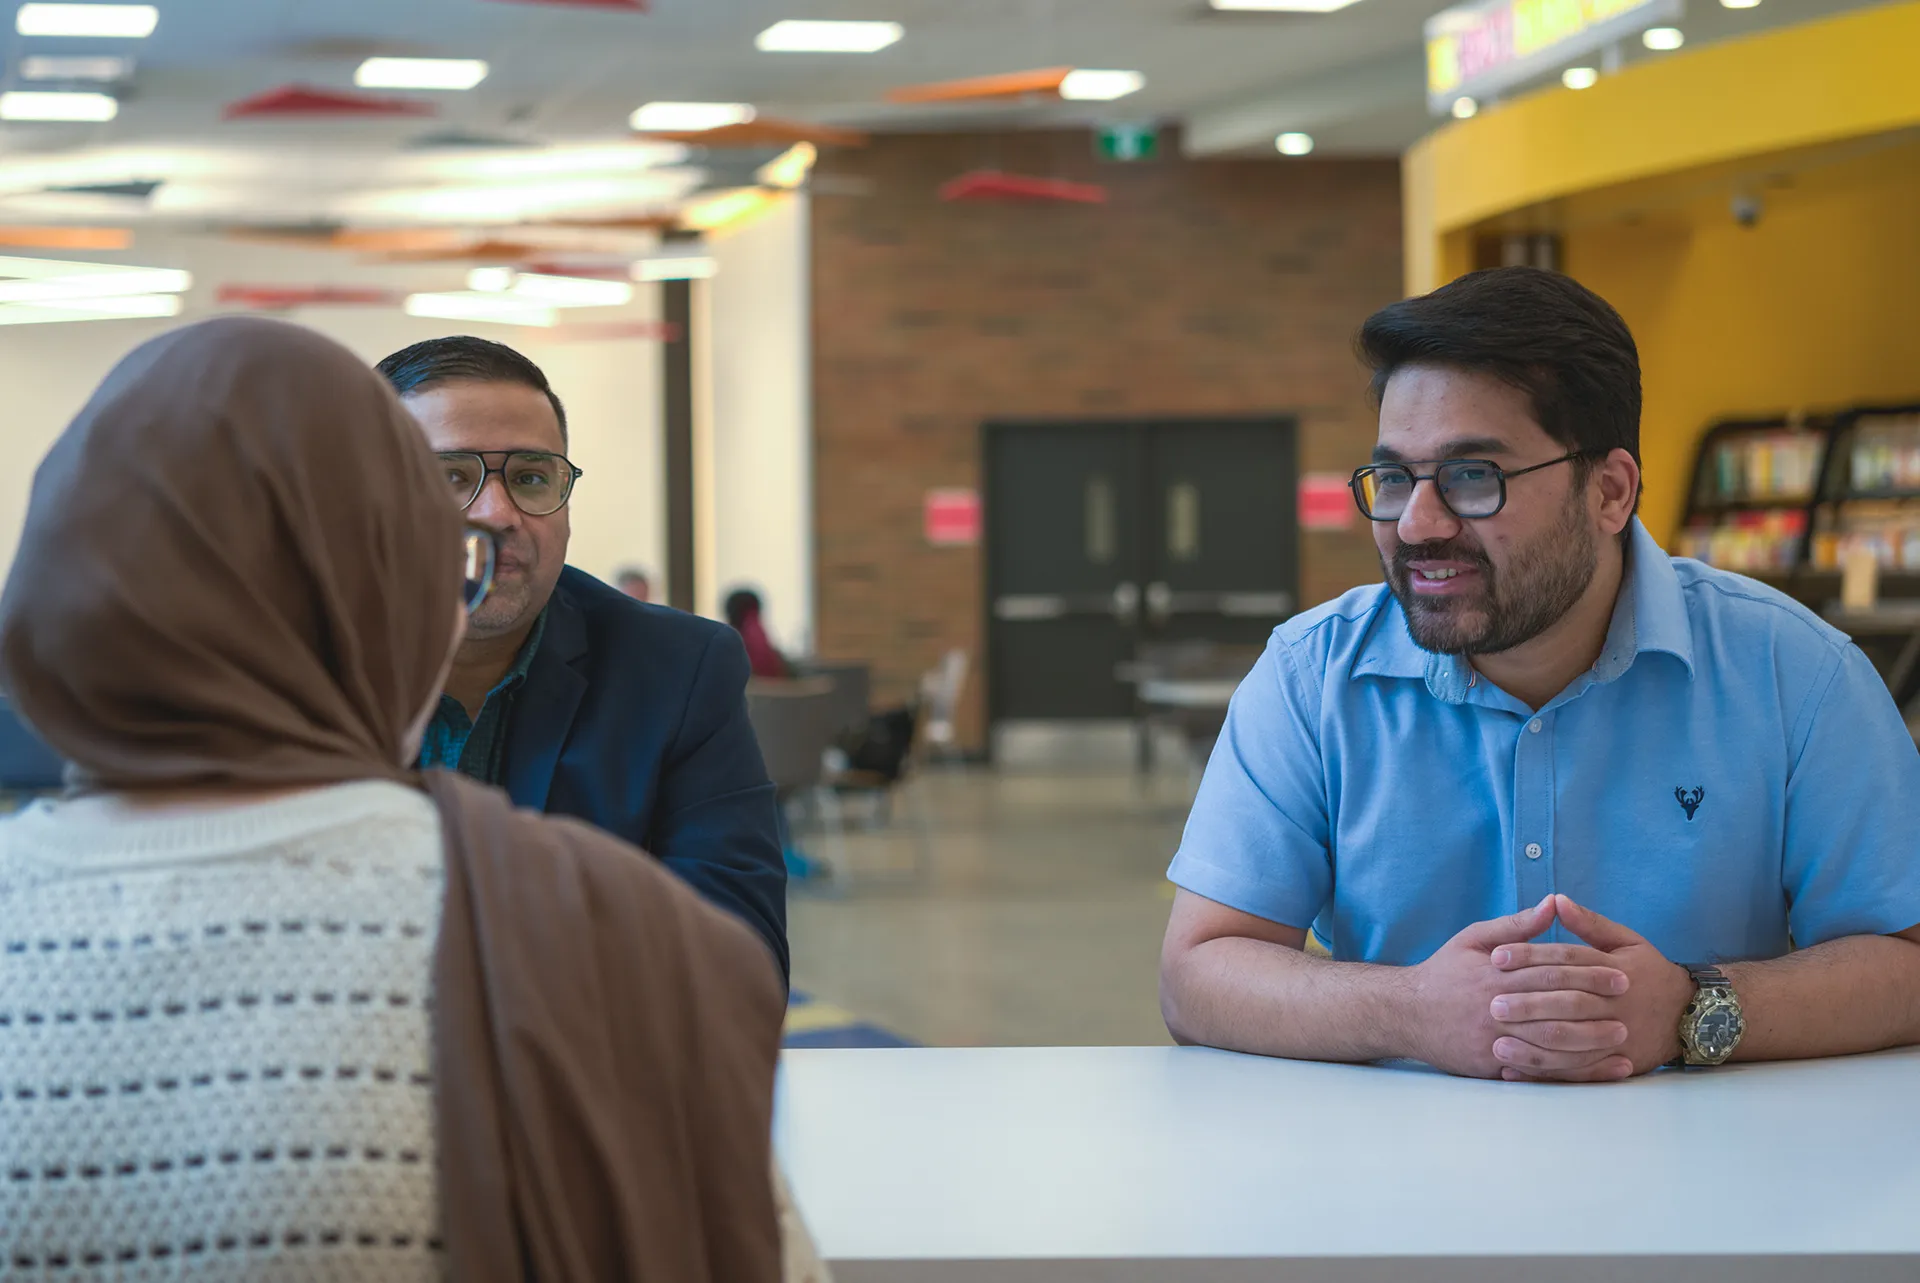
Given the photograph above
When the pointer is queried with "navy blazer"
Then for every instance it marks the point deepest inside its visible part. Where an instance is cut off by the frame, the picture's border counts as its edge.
(634, 718)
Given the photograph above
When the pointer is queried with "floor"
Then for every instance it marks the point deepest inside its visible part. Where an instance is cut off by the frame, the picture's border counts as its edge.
(993, 909)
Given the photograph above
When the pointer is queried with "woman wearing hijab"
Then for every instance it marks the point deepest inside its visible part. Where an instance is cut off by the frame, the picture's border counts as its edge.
(270, 1005)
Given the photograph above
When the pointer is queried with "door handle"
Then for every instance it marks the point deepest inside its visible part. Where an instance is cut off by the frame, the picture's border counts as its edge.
(1026, 608)
(1159, 602)
(1126, 604)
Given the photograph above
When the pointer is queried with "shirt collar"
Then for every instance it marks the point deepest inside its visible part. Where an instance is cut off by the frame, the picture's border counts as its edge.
(524, 660)
(513, 677)
(1649, 614)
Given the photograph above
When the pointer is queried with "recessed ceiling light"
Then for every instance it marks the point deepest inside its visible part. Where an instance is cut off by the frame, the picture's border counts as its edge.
(112, 21)
(689, 117)
(1662, 39)
(420, 73)
(799, 36)
(1279, 6)
(1580, 77)
(491, 280)
(27, 105)
(1465, 108)
(41, 67)
(1293, 144)
(1101, 86)
(1739, 4)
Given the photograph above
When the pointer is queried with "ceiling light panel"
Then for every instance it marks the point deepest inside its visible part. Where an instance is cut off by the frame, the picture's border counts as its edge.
(676, 267)
(139, 307)
(26, 104)
(801, 36)
(420, 73)
(41, 67)
(1293, 144)
(1279, 6)
(689, 117)
(497, 308)
(1101, 86)
(108, 283)
(570, 291)
(1663, 39)
(105, 21)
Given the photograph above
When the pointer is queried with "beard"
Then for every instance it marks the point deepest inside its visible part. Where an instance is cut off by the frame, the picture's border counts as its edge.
(1514, 606)
(517, 592)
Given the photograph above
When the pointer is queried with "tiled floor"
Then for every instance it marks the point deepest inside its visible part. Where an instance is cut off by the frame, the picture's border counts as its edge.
(999, 909)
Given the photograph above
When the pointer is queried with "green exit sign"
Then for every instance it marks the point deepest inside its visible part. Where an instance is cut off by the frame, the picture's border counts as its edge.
(1128, 142)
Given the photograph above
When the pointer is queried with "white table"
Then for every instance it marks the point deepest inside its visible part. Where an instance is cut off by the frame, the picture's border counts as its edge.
(1168, 692)
(1138, 1163)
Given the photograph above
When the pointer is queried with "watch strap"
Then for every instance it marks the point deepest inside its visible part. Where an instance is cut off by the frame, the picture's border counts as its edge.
(1707, 977)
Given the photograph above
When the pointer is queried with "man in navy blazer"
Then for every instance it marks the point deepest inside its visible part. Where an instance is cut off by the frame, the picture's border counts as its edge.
(574, 697)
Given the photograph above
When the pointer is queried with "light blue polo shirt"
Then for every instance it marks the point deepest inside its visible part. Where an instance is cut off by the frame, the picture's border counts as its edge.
(1731, 774)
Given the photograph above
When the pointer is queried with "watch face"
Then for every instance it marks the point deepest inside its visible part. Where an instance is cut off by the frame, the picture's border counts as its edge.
(1718, 1031)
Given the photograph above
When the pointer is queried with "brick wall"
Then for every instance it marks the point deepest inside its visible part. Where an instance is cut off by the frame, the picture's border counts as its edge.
(1201, 287)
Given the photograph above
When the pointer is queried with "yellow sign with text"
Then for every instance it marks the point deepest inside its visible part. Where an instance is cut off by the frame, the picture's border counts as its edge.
(1486, 47)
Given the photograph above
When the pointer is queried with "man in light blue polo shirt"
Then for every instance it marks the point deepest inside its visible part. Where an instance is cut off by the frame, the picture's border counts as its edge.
(1559, 805)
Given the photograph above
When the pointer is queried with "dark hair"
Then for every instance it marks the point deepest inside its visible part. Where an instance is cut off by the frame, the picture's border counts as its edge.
(1542, 332)
(741, 604)
(462, 357)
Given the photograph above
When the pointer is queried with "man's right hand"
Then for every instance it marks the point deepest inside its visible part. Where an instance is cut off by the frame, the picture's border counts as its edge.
(1453, 1027)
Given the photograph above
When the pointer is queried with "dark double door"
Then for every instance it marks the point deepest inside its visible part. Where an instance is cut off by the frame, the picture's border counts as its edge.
(1105, 541)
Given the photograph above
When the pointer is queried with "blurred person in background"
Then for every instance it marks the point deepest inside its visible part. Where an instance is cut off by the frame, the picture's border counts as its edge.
(635, 584)
(1543, 725)
(339, 1020)
(746, 614)
(569, 694)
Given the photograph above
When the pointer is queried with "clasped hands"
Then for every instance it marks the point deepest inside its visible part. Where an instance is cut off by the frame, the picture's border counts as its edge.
(1492, 1004)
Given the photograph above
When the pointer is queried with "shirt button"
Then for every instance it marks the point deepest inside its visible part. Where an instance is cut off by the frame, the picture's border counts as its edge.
(1534, 726)
(1533, 850)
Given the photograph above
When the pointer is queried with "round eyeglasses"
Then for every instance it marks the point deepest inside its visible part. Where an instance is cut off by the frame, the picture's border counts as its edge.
(1472, 489)
(477, 557)
(538, 483)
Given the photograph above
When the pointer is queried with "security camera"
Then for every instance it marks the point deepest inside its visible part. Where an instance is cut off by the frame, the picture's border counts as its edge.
(1746, 210)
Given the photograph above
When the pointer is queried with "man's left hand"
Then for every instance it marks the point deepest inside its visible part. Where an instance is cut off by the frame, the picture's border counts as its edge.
(1658, 992)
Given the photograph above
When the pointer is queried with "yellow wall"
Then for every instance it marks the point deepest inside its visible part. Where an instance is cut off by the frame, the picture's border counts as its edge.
(1816, 306)
(1808, 85)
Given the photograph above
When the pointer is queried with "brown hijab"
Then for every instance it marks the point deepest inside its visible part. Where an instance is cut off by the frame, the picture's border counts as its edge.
(240, 568)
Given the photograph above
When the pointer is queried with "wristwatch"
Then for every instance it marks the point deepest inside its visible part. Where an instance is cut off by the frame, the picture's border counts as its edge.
(1712, 1024)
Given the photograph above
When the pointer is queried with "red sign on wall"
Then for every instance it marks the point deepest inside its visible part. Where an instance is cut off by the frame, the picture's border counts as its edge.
(953, 518)
(1326, 503)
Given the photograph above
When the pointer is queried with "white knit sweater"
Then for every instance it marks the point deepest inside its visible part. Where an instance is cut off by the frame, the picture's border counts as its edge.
(214, 1042)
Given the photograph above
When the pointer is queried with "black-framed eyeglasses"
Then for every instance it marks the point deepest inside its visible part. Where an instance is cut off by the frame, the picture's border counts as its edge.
(538, 483)
(1472, 489)
(477, 557)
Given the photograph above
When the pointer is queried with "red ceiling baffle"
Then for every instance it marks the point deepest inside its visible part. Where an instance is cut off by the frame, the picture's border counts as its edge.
(307, 101)
(284, 298)
(995, 184)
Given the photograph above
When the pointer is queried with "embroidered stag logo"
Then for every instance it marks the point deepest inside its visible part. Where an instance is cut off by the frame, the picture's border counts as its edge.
(1690, 799)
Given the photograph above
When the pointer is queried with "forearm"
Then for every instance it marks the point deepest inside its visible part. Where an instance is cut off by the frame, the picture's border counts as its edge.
(1859, 993)
(1272, 1000)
